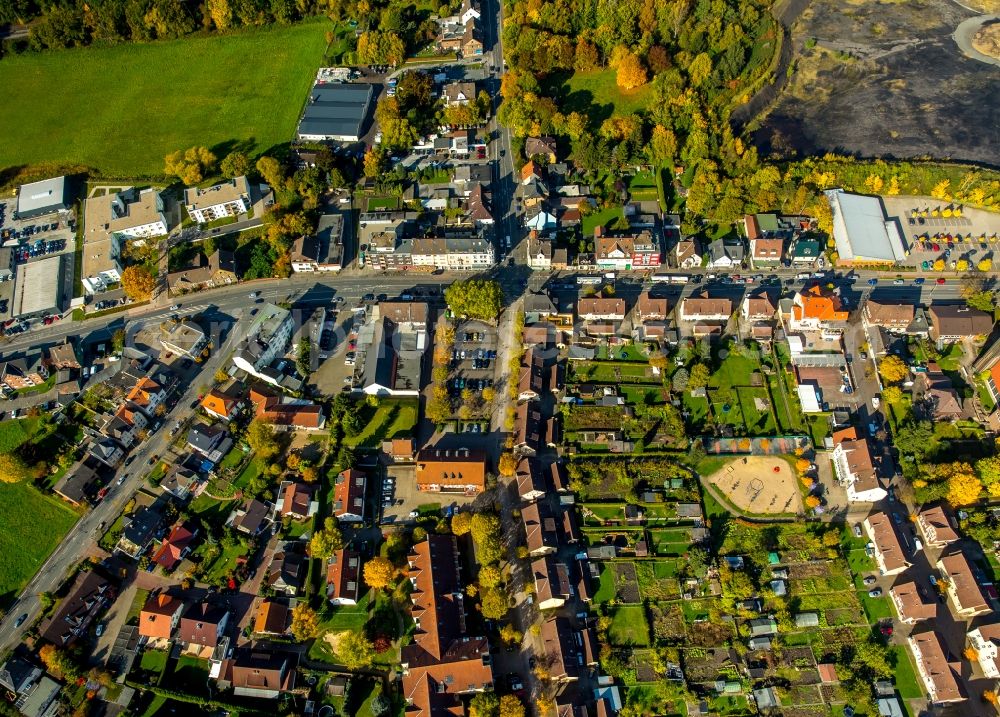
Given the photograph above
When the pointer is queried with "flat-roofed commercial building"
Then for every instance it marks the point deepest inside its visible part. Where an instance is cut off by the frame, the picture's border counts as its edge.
(335, 111)
(38, 288)
(862, 231)
(40, 199)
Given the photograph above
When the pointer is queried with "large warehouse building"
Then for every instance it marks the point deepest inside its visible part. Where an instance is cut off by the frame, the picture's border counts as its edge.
(39, 199)
(335, 111)
(862, 231)
(38, 287)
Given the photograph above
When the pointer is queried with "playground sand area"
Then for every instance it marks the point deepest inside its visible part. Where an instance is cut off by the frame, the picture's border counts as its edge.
(759, 484)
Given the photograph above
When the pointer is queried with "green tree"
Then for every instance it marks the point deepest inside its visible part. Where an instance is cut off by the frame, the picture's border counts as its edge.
(892, 369)
(261, 438)
(988, 470)
(493, 604)
(475, 298)
(303, 357)
(982, 300)
(235, 164)
(916, 438)
(327, 541)
(305, 622)
(138, 282)
(699, 376)
(355, 650)
(272, 172)
(484, 704)
(189, 165)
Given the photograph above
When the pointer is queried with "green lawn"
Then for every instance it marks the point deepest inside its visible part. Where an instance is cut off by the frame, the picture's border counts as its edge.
(604, 218)
(14, 433)
(905, 677)
(394, 418)
(31, 526)
(601, 88)
(137, 102)
(606, 589)
(153, 660)
(629, 626)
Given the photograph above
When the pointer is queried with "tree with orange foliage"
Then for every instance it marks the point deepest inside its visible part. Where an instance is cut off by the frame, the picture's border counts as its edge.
(812, 501)
(631, 72)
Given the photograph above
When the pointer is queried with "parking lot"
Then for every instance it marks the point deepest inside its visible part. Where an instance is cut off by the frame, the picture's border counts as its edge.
(400, 500)
(474, 357)
(935, 229)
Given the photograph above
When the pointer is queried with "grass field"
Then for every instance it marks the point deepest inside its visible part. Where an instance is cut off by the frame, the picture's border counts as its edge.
(133, 104)
(392, 419)
(601, 88)
(629, 626)
(31, 526)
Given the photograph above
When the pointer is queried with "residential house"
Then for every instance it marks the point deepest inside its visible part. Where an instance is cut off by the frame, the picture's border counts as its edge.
(552, 586)
(159, 618)
(219, 269)
(530, 480)
(985, 640)
(222, 402)
(702, 308)
(272, 618)
(686, 254)
(343, 577)
(725, 255)
(184, 338)
(911, 605)
(72, 617)
(458, 93)
(259, 674)
(79, 484)
(250, 517)
(443, 661)
(458, 470)
(805, 253)
(894, 317)
(109, 221)
(530, 430)
(472, 44)
(560, 648)
(540, 528)
(63, 357)
(963, 585)
(889, 552)
(652, 318)
(107, 451)
(538, 252)
(757, 307)
(532, 380)
(296, 500)
(138, 533)
(209, 441)
(817, 309)
(477, 207)
(856, 468)
(285, 413)
(266, 339)
(766, 253)
(147, 395)
(287, 571)
(228, 199)
(542, 147)
(24, 372)
(623, 253)
(399, 450)
(322, 251)
(939, 398)
(937, 526)
(203, 627)
(33, 693)
(951, 323)
(611, 310)
(175, 547)
(938, 674)
(349, 496)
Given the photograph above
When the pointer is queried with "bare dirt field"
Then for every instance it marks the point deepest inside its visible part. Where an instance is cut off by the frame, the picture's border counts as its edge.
(759, 484)
(886, 79)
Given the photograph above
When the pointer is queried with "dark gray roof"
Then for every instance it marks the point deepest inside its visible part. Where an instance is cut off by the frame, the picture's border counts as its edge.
(205, 438)
(336, 109)
(140, 529)
(17, 673)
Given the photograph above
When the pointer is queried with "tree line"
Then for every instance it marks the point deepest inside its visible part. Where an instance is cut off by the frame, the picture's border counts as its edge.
(75, 23)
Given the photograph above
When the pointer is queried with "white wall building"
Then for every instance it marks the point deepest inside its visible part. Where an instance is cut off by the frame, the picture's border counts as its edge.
(220, 200)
